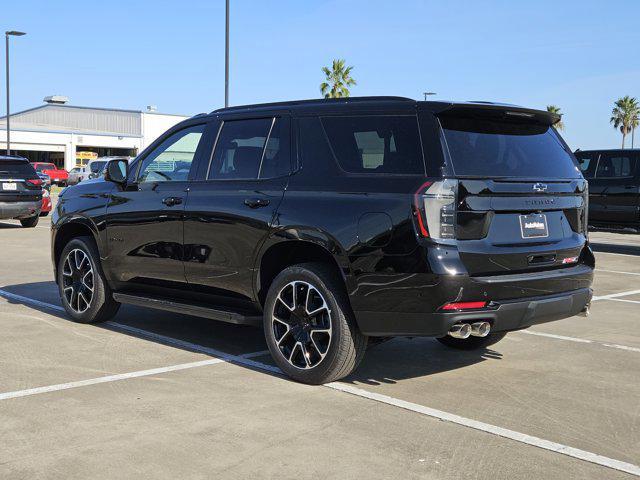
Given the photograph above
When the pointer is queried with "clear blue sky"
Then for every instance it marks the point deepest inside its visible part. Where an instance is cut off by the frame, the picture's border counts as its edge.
(579, 55)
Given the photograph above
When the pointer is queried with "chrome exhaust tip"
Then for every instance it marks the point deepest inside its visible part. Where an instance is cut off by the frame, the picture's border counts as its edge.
(480, 329)
(585, 311)
(460, 330)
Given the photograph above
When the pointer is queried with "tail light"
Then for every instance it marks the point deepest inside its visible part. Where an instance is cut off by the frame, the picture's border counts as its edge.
(585, 211)
(435, 209)
(36, 182)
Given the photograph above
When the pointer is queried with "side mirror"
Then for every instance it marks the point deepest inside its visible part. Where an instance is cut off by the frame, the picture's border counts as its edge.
(117, 171)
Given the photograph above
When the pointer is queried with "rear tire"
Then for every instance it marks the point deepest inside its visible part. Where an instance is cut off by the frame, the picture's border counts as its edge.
(309, 327)
(84, 291)
(472, 343)
(30, 222)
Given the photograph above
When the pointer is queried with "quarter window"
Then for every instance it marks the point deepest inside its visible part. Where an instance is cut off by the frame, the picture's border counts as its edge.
(376, 144)
(171, 161)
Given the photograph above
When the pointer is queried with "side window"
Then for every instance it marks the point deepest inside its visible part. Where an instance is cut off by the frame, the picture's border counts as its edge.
(376, 144)
(616, 165)
(251, 149)
(171, 160)
(587, 163)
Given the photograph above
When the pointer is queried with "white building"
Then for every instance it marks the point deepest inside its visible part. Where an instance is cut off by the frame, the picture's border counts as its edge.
(57, 132)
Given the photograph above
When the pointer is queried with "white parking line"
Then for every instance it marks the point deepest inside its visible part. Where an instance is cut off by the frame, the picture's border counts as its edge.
(342, 387)
(488, 428)
(615, 295)
(579, 340)
(617, 271)
(624, 300)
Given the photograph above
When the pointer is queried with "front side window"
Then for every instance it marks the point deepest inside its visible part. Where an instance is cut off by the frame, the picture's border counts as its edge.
(376, 144)
(251, 149)
(616, 165)
(171, 160)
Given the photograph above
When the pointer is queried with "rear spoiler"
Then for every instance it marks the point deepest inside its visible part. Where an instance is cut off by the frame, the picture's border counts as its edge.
(502, 111)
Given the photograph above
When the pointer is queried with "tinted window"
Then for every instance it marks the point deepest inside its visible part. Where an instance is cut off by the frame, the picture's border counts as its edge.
(10, 168)
(172, 159)
(488, 147)
(613, 165)
(376, 144)
(97, 166)
(243, 152)
(45, 166)
(587, 162)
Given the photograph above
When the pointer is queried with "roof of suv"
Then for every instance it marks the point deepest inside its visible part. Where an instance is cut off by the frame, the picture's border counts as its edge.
(323, 104)
(12, 158)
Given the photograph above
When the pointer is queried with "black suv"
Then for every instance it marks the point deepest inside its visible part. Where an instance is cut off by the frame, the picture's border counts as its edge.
(614, 187)
(332, 221)
(20, 191)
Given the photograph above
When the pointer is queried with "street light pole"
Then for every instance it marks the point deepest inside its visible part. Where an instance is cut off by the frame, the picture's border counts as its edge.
(226, 57)
(428, 93)
(12, 33)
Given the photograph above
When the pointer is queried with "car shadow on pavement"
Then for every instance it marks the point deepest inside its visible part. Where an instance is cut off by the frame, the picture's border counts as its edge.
(387, 363)
(615, 248)
(4, 225)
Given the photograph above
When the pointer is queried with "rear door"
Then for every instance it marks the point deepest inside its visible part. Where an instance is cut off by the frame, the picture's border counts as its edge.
(520, 196)
(616, 188)
(145, 220)
(231, 207)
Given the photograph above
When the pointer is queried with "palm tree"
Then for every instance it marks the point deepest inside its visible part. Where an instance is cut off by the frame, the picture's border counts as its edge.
(553, 109)
(635, 123)
(338, 79)
(624, 115)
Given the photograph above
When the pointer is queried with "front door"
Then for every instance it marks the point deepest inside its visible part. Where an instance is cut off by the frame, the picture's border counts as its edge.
(230, 210)
(145, 220)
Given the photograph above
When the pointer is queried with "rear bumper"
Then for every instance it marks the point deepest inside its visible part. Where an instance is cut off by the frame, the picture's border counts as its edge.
(513, 315)
(517, 301)
(19, 209)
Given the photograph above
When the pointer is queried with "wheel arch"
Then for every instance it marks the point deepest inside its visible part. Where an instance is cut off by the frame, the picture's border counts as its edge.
(276, 256)
(68, 230)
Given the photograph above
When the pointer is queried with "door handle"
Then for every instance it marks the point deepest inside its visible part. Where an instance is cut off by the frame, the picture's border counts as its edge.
(256, 202)
(171, 201)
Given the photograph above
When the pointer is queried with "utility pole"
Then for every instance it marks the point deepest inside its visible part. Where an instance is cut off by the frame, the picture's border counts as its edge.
(226, 57)
(11, 33)
(428, 93)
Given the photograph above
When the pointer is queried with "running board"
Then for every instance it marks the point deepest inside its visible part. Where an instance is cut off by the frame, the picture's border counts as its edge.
(228, 316)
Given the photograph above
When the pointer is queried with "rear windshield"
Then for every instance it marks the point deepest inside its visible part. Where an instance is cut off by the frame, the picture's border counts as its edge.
(376, 144)
(15, 168)
(45, 166)
(498, 148)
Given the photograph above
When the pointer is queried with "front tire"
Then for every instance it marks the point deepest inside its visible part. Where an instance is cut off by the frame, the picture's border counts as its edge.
(472, 343)
(30, 222)
(309, 326)
(84, 292)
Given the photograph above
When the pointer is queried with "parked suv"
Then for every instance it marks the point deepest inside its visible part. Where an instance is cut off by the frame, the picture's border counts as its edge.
(329, 222)
(614, 186)
(20, 191)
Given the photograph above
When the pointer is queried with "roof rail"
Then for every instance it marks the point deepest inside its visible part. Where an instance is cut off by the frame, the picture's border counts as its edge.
(316, 101)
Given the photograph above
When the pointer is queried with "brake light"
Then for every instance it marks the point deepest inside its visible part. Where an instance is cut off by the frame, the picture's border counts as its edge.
(569, 260)
(464, 305)
(435, 208)
(36, 182)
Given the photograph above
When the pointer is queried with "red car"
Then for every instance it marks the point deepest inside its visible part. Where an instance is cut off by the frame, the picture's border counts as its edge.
(46, 203)
(59, 176)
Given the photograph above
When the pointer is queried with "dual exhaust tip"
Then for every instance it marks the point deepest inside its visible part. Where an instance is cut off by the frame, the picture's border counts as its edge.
(466, 330)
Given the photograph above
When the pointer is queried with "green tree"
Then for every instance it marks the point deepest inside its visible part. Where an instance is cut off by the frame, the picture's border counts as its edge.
(338, 80)
(624, 115)
(553, 109)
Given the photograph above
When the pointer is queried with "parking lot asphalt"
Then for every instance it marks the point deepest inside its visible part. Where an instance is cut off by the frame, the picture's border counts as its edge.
(158, 395)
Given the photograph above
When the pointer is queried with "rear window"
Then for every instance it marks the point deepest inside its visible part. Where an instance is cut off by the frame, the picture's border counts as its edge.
(498, 148)
(16, 168)
(97, 166)
(376, 144)
(45, 166)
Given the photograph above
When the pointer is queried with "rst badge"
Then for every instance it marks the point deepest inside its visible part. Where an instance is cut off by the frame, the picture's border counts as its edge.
(534, 225)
